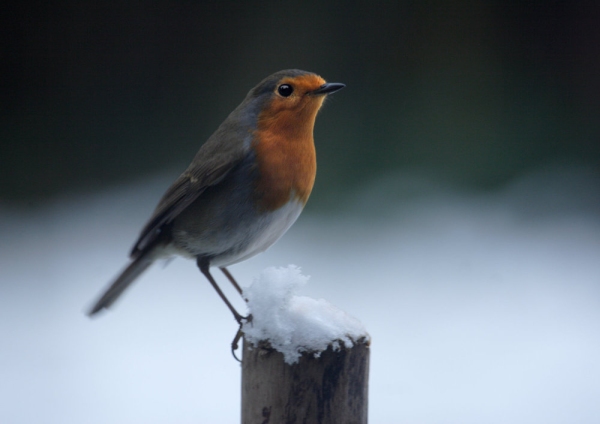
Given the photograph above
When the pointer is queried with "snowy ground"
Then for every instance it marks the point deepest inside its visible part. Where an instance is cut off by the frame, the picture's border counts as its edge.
(481, 308)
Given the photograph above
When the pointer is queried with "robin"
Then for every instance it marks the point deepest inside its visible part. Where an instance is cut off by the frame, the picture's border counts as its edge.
(245, 187)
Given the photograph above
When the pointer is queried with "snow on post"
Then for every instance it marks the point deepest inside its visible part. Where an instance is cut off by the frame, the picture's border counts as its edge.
(304, 360)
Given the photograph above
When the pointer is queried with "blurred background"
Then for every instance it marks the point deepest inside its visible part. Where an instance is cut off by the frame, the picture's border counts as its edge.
(456, 210)
(479, 92)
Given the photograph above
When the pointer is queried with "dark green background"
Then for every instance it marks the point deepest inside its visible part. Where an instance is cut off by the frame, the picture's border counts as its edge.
(96, 93)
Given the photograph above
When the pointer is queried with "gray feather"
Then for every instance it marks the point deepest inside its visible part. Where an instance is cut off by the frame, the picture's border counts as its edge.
(124, 280)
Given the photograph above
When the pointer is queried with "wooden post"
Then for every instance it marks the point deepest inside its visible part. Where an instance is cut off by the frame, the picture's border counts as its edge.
(330, 389)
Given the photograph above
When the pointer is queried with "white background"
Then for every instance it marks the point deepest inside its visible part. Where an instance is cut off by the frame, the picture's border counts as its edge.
(482, 308)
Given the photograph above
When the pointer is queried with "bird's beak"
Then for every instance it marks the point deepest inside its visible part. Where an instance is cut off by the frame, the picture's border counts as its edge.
(328, 88)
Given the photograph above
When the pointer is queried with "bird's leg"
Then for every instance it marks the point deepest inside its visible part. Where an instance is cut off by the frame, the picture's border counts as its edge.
(240, 333)
(204, 264)
(238, 288)
(231, 279)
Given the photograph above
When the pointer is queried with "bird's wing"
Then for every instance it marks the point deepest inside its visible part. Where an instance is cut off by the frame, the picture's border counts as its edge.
(209, 168)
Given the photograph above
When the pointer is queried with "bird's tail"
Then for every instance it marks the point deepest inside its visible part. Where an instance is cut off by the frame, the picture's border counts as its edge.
(124, 280)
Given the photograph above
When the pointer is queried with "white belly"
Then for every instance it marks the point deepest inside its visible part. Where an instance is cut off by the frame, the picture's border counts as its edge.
(267, 230)
(227, 238)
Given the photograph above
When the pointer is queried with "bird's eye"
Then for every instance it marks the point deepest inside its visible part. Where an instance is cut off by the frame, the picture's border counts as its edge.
(285, 90)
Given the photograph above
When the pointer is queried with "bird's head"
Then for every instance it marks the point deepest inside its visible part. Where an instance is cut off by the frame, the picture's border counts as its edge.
(290, 99)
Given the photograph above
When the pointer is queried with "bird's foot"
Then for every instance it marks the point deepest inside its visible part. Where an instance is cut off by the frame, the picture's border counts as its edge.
(239, 335)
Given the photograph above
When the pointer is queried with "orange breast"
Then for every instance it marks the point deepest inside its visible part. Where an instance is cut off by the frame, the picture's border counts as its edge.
(285, 153)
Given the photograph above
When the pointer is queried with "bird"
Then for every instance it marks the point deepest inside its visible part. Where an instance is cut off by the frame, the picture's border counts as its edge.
(243, 190)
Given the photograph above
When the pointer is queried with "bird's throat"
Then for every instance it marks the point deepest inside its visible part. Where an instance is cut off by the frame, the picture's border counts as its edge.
(286, 159)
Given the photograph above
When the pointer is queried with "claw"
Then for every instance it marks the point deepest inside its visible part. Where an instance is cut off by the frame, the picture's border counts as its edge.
(238, 336)
(235, 345)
